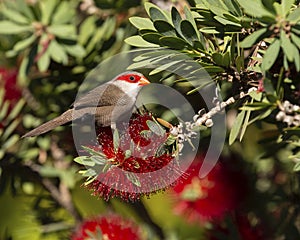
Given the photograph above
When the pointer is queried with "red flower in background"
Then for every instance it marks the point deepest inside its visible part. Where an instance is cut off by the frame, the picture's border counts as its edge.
(211, 197)
(139, 150)
(8, 80)
(111, 227)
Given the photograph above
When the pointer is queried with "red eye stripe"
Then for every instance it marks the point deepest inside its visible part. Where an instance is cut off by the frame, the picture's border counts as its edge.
(132, 78)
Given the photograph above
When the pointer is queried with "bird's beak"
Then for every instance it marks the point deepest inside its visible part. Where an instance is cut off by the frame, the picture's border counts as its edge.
(143, 81)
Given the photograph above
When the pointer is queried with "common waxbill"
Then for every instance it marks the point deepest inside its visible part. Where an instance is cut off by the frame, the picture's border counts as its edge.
(108, 102)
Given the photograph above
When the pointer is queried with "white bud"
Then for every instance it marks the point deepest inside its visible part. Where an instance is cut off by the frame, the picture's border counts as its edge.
(174, 131)
(288, 120)
(195, 117)
(296, 108)
(296, 121)
(209, 123)
(288, 107)
(280, 116)
(200, 121)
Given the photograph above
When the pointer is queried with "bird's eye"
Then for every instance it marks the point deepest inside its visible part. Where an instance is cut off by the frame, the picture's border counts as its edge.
(131, 78)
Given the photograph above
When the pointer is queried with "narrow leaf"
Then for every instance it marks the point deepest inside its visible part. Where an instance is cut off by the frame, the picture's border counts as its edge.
(270, 55)
(7, 27)
(116, 139)
(253, 38)
(60, 16)
(294, 16)
(14, 16)
(64, 30)
(254, 8)
(57, 52)
(236, 127)
(287, 46)
(24, 43)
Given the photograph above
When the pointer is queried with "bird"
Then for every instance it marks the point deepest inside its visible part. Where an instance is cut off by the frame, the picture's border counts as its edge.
(107, 103)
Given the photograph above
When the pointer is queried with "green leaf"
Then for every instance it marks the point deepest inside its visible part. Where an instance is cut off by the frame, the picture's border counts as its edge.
(47, 7)
(233, 7)
(138, 41)
(64, 31)
(188, 31)
(190, 18)
(10, 128)
(164, 67)
(100, 160)
(209, 30)
(245, 124)
(7, 27)
(44, 61)
(85, 160)
(91, 151)
(86, 29)
(295, 39)
(287, 46)
(116, 139)
(226, 59)
(22, 44)
(174, 42)
(14, 16)
(213, 69)
(226, 22)
(141, 23)
(256, 95)
(236, 127)
(164, 28)
(294, 16)
(155, 128)
(157, 14)
(254, 8)
(254, 38)
(132, 177)
(270, 55)
(297, 59)
(57, 52)
(152, 37)
(16, 109)
(239, 62)
(75, 50)
(218, 58)
(176, 19)
(296, 167)
(60, 16)
(216, 6)
(286, 6)
(24, 8)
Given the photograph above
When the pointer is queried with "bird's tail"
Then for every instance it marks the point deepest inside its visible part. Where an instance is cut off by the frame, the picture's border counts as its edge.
(46, 127)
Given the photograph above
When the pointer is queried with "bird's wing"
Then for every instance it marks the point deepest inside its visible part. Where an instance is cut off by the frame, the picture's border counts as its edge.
(104, 95)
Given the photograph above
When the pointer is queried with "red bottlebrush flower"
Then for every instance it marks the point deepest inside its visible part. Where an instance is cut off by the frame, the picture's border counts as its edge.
(137, 161)
(111, 227)
(8, 80)
(210, 197)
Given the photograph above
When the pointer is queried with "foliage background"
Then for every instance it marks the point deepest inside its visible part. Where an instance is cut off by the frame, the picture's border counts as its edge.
(51, 45)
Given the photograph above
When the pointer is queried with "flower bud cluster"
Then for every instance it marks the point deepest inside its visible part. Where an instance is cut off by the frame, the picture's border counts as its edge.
(289, 114)
(187, 130)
